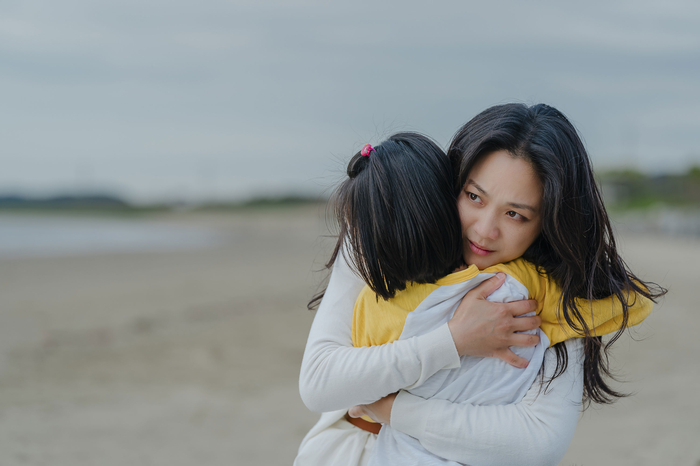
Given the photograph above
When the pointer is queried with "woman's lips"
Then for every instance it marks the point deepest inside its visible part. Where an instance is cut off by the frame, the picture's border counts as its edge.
(478, 249)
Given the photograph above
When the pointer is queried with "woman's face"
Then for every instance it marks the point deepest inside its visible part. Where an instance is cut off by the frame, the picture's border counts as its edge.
(499, 208)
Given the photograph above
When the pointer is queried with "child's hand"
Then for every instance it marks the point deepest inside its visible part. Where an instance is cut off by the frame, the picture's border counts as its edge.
(482, 328)
(379, 411)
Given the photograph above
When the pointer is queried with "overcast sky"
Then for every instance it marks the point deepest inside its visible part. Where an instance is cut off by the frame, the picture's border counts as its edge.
(212, 99)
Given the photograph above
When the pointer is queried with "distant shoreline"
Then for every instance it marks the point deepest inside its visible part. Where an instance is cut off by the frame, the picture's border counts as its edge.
(39, 235)
(111, 205)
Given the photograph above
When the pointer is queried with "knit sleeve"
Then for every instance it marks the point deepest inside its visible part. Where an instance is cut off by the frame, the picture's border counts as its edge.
(535, 431)
(335, 375)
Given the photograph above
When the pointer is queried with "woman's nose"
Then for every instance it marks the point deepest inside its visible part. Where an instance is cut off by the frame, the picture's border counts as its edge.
(486, 226)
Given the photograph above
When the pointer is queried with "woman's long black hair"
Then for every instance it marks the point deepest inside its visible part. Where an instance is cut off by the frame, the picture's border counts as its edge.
(397, 215)
(576, 246)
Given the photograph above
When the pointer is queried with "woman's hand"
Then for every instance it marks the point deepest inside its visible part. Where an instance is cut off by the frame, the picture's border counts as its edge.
(379, 411)
(482, 328)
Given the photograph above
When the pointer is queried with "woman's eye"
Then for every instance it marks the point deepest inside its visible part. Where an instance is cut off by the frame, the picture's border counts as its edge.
(473, 196)
(514, 214)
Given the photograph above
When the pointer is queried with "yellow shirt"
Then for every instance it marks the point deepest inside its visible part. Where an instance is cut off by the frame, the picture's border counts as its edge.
(379, 321)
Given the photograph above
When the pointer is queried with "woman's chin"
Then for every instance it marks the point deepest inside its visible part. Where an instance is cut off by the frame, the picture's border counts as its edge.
(482, 262)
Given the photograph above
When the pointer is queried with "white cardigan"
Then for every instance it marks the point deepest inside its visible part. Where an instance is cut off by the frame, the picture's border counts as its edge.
(336, 376)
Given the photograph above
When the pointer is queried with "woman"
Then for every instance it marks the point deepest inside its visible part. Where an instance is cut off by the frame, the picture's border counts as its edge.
(575, 246)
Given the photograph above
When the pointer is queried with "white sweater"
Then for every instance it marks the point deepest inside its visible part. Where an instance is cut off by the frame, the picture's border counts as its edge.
(336, 376)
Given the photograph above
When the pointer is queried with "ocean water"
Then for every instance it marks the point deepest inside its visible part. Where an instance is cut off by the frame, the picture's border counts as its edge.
(37, 236)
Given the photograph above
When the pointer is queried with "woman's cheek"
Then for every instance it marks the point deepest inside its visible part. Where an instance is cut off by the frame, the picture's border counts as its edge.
(512, 239)
(466, 215)
(526, 233)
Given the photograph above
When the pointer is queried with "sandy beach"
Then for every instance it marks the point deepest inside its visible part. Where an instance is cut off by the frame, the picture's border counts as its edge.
(191, 355)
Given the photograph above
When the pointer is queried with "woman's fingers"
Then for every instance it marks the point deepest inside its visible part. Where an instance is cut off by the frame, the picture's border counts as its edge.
(518, 308)
(485, 289)
(512, 358)
(524, 339)
(379, 411)
(523, 324)
(356, 411)
(482, 328)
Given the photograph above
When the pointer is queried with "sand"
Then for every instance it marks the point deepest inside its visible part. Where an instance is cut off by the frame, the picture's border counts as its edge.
(192, 356)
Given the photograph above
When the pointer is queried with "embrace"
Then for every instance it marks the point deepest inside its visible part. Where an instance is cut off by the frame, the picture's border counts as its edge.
(469, 292)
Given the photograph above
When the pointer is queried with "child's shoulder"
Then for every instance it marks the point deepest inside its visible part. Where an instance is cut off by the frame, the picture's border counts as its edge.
(524, 271)
(407, 299)
(377, 321)
(519, 267)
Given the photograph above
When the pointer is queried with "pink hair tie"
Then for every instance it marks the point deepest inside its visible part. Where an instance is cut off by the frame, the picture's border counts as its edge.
(366, 150)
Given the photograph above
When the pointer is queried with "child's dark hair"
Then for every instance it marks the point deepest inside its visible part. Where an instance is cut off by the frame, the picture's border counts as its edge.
(576, 246)
(397, 214)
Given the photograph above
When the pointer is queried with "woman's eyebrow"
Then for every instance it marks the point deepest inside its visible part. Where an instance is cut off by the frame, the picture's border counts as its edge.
(522, 206)
(512, 204)
(479, 188)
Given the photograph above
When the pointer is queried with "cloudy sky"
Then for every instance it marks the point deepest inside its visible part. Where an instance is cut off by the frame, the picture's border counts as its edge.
(212, 99)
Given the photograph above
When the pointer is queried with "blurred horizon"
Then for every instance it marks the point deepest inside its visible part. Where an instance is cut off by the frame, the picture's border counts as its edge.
(224, 101)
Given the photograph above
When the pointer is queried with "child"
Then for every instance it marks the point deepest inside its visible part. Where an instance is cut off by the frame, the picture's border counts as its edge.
(399, 218)
(414, 283)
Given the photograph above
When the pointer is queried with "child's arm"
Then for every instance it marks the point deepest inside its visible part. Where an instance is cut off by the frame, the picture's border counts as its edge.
(603, 316)
(535, 431)
(334, 375)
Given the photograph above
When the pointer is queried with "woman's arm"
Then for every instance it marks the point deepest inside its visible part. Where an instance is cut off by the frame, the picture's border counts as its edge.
(335, 375)
(535, 431)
